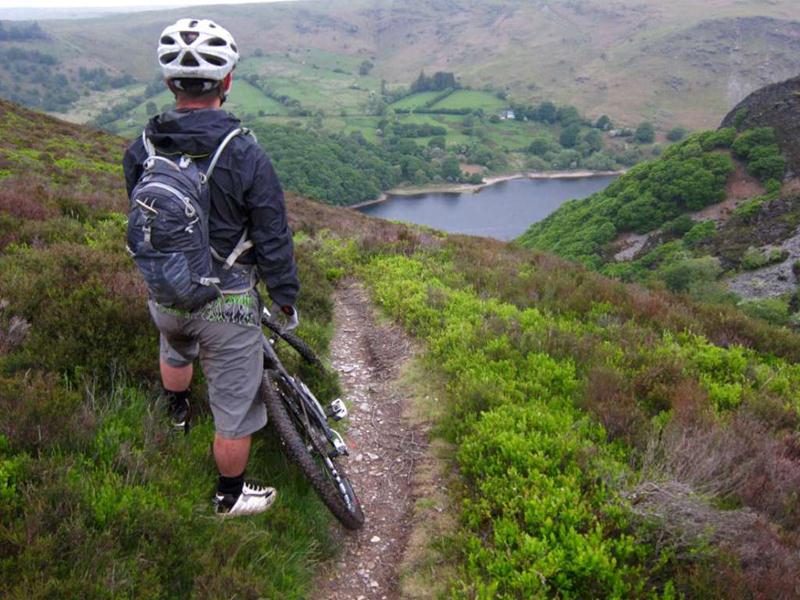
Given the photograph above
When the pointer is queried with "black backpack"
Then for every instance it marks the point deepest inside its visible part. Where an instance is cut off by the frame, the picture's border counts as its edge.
(168, 229)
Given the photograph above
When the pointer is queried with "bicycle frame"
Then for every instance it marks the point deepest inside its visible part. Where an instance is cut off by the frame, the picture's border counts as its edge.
(311, 407)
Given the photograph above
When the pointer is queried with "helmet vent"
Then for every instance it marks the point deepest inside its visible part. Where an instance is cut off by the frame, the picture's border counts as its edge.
(168, 40)
(193, 24)
(189, 60)
(214, 60)
(217, 42)
(234, 48)
(189, 36)
(168, 58)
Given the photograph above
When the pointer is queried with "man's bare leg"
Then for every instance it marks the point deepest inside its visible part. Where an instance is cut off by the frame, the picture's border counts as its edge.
(176, 379)
(231, 455)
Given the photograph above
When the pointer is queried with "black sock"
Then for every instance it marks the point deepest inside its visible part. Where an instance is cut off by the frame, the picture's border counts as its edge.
(231, 485)
(179, 398)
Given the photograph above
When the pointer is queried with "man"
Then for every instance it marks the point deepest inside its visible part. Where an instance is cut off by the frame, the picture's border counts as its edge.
(197, 58)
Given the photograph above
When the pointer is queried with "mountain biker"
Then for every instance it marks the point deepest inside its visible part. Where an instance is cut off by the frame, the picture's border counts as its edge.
(197, 58)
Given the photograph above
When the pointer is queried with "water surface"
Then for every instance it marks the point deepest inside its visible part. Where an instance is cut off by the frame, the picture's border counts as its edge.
(502, 211)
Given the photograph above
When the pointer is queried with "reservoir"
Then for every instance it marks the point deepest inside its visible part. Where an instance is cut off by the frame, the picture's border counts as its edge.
(502, 211)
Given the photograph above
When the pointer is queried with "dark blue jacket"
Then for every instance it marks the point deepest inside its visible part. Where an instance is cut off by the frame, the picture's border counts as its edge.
(245, 191)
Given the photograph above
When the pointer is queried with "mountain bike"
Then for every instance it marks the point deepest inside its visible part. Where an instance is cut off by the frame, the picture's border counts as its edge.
(303, 427)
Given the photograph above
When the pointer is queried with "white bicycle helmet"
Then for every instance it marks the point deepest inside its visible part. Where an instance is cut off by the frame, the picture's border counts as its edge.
(197, 49)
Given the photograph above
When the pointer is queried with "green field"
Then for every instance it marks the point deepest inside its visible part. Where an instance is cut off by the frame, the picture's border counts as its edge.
(470, 99)
(318, 80)
(245, 101)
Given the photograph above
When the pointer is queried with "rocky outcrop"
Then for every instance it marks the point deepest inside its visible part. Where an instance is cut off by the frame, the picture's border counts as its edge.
(776, 106)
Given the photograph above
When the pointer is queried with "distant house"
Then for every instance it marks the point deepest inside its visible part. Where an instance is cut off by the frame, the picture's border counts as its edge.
(508, 115)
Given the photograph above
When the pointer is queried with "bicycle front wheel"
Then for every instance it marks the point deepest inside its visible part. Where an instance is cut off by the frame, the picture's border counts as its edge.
(305, 445)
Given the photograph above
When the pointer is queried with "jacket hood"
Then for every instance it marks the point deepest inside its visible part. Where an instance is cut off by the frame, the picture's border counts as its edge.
(193, 132)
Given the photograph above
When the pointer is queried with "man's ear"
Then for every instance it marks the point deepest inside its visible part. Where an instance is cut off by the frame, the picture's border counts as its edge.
(171, 87)
(227, 83)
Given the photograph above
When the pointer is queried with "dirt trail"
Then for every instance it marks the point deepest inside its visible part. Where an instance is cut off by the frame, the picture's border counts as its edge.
(383, 446)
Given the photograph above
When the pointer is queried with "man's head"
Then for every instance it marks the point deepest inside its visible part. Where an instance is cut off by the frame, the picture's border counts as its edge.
(197, 58)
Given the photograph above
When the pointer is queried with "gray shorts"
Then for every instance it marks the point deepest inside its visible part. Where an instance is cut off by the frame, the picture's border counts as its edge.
(231, 356)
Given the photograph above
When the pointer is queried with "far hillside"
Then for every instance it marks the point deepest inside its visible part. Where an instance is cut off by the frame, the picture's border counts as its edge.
(716, 216)
(682, 64)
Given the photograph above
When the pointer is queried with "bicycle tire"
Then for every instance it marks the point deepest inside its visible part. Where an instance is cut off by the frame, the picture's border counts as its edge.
(314, 470)
(297, 343)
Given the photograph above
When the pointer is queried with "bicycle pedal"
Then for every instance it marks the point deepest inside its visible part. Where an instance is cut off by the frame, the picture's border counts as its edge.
(340, 446)
(336, 410)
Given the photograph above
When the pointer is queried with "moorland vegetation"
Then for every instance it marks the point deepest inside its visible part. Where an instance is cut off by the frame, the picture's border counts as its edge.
(577, 406)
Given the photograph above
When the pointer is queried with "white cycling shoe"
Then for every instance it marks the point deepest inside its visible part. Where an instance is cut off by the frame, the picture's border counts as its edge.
(252, 501)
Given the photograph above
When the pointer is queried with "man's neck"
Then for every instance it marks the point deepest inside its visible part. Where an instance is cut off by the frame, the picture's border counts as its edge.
(194, 105)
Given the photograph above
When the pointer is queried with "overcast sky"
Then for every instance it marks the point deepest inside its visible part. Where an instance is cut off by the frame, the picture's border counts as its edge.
(73, 4)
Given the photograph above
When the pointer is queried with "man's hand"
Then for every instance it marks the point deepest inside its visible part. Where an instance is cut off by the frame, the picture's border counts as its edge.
(285, 316)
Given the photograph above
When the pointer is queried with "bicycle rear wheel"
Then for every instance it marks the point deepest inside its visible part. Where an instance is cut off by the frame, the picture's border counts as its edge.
(305, 444)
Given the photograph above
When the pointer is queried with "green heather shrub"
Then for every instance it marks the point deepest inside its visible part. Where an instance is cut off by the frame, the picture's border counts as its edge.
(753, 138)
(755, 258)
(86, 307)
(766, 163)
(37, 411)
(700, 232)
(748, 211)
(773, 310)
(679, 226)
(760, 149)
(721, 138)
(676, 134)
(684, 274)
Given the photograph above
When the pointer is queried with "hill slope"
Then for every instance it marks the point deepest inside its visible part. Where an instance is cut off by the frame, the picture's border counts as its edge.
(718, 212)
(576, 406)
(682, 64)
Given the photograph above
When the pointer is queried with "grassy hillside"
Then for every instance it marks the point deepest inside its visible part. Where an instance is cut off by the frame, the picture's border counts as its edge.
(98, 500)
(711, 207)
(578, 407)
(682, 64)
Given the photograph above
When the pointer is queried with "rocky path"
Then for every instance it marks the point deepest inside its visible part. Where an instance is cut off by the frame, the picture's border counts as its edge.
(383, 446)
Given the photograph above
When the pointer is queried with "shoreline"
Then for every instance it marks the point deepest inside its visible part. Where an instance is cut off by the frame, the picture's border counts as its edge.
(460, 188)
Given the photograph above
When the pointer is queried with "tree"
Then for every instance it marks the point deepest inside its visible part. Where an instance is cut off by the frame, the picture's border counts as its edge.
(365, 68)
(604, 123)
(569, 135)
(567, 115)
(151, 108)
(594, 140)
(676, 134)
(546, 112)
(541, 145)
(645, 133)
(451, 169)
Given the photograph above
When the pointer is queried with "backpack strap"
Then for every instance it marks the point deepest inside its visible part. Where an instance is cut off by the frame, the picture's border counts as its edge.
(244, 244)
(236, 132)
(148, 145)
